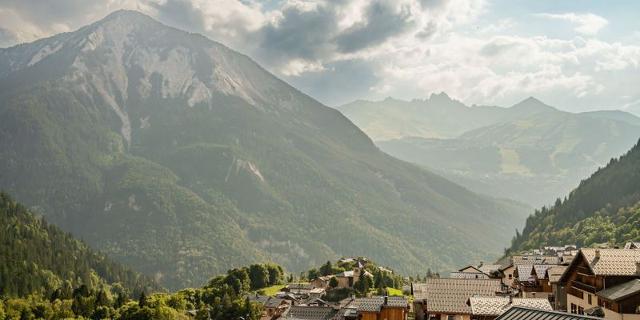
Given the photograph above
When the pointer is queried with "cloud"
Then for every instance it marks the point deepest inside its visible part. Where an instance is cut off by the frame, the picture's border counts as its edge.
(381, 22)
(587, 24)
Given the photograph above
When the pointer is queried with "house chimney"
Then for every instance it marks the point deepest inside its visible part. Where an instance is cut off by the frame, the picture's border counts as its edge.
(597, 253)
(638, 268)
(386, 300)
(510, 299)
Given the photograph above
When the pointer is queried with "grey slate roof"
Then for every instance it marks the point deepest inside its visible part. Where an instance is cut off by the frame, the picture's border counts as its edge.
(451, 295)
(621, 291)
(495, 306)
(309, 313)
(612, 262)
(375, 304)
(520, 313)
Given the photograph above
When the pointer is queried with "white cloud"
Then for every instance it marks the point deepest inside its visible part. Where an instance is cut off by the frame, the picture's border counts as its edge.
(587, 23)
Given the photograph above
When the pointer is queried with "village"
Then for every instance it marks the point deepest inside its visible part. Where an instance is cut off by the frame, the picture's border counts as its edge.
(564, 282)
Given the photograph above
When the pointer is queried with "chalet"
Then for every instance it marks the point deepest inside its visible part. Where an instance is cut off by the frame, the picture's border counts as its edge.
(347, 279)
(521, 313)
(321, 282)
(493, 270)
(621, 301)
(531, 280)
(507, 275)
(469, 272)
(596, 271)
(446, 299)
(558, 296)
(483, 271)
(382, 308)
(272, 307)
(489, 308)
(299, 288)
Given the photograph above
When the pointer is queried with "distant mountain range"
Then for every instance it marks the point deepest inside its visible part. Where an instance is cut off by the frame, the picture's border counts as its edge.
(530, 152)
(605, 208)
(182, 158)
(39, 258)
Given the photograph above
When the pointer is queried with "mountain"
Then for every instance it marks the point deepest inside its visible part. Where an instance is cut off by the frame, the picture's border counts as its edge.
(37, 257)
(182, 158)
(439, 116)
(530, 152)
(605, 208)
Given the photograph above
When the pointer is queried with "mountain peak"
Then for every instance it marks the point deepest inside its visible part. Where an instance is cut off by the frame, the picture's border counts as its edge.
(126, 14)
(442, 96)
(533, 105)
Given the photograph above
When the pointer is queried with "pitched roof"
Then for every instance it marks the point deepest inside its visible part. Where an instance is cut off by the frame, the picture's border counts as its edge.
(345, 274)
(612, 262)
(309, 313)
(632, 245)
(555, 273)
(535, 259)
(524, 271)
(375, 304)
(474, 269)
(489, 268)
(521, 313)
(300, 286)
(451, 295)
(273, 303)
(621, 291)
(541, 270)
(495, 306)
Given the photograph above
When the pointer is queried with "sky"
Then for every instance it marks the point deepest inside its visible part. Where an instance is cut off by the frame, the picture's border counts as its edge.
(577, 55)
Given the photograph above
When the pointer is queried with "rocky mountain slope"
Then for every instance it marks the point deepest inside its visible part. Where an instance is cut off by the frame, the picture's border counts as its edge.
(182, 158)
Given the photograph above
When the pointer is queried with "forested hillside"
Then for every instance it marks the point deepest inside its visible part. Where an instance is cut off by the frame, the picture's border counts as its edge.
(604, 208)
(39, 258)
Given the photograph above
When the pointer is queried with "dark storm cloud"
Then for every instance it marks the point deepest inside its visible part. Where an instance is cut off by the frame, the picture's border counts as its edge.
(381, 23)
(299, 34)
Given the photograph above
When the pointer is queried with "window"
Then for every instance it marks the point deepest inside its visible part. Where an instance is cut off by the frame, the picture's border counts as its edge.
(580, 310)
(510, 276)
(589, 298)
(573, 308)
